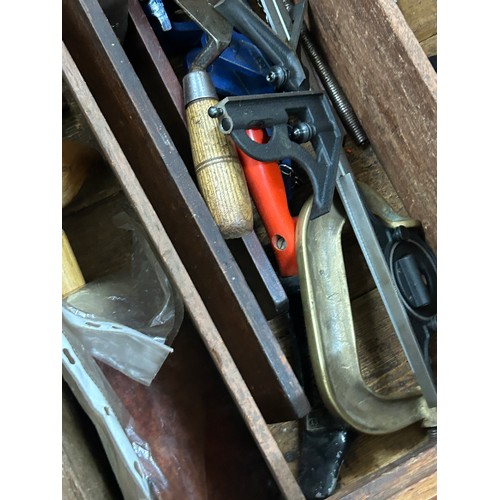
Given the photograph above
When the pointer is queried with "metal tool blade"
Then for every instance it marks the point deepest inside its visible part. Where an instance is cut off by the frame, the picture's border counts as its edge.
(279, 53)
(217, 28)
(287, 29)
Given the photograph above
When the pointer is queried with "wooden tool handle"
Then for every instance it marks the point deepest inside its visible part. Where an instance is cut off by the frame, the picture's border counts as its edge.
(72, 277)
(77, 161)
(219, 172)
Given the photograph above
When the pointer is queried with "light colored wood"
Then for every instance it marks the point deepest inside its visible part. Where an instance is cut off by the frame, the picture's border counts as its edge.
(414, 476)
(77, 160)
(392, 88)
(219, 172)
(72, 277)
(430, 45)
(194, 305)
(421, 16)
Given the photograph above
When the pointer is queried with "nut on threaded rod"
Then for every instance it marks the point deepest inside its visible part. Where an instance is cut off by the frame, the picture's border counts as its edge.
(332, 87)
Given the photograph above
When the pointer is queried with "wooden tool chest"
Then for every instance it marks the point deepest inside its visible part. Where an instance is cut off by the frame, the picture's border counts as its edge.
(237, 402)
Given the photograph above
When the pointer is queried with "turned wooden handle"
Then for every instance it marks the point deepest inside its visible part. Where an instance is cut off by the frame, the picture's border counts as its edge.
(77, 160)
(72, 277)
(219, 172)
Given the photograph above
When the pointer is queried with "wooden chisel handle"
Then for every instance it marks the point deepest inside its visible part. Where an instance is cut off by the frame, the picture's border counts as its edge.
(218, 170)
(77, 159)
(72, 277)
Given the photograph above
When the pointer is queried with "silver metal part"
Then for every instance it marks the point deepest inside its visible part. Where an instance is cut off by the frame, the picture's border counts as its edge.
(331, 336)
(360, 222)
(279, 52)
(197, 85)
(101, 404)
(218, 31)
(280, 21)
(278, 18)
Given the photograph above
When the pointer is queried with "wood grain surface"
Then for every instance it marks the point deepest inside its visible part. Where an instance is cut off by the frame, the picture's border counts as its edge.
(392, 87)
(181, 210)
(177, 272)
(421, 16)
(410, 478)
(401, 465)
(219, 172)
(72, 277)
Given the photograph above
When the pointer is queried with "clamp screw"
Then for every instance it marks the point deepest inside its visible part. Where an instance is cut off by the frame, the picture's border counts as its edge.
(215, 112)
(303, 132)
(277, 76)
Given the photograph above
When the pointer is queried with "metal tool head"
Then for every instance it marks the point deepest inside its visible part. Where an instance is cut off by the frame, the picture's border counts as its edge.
(285, 19)
(218, 30)
(294, 76)
(293, 118)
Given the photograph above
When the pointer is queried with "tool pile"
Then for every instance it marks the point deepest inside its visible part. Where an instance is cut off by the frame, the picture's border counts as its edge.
(267, 145)
(282, 130)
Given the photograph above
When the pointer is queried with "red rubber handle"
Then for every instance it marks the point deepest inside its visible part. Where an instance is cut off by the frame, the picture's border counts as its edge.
(267, 189)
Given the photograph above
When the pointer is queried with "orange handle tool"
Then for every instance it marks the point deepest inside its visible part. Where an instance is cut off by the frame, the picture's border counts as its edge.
(267, 188)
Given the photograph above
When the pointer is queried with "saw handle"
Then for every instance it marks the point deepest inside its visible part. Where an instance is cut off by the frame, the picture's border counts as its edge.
(218, 171)
(267, 188)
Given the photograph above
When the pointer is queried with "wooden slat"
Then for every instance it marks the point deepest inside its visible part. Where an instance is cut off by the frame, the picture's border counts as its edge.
(192, 300)
(85, 473)
(430, 45)
(392, 88)
(181, 210)
(410, 478)
(421, 16)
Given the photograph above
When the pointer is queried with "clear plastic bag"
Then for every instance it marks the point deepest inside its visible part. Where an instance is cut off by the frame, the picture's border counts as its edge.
(125, 318)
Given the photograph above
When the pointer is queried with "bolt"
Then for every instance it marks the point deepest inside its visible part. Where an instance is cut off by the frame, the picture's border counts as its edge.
(276, 76)
(303, 132)
(279, 242)
(215, 112)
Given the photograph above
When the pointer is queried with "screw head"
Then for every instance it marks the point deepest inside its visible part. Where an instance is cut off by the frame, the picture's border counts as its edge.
(215, 112)
(276, 76)
(271, 77)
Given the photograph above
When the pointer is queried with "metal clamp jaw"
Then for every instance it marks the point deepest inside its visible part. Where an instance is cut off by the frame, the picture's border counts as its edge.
(331, 335)
(292, 118)
(289, 74)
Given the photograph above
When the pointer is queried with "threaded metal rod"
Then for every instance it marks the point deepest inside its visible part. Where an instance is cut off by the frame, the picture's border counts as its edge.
(332, 87)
